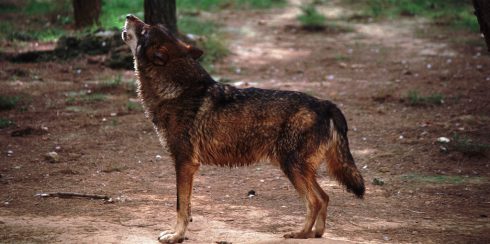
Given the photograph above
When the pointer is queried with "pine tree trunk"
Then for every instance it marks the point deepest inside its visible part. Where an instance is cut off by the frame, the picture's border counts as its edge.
(482, 12)
(86, 12)
(161, 12)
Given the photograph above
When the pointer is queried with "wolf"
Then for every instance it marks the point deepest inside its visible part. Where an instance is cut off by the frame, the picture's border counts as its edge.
(201, 121)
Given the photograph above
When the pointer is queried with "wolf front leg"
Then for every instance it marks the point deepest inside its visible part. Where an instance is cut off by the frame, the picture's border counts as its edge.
(185, 174)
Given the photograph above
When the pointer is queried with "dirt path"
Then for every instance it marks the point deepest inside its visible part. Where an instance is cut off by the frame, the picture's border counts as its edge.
(107, 148)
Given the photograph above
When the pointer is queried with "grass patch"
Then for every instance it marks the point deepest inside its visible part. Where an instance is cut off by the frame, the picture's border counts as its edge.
(340, 57)
(8, 102)
(443, 179)
(212, 42)
(415, 99)
(83, 97)
(114, 11)
(467, 146)
(75, 109)
(215, 5)
(4, 123)
(111, 84)
(455, 13)
(94, 97)
(41, 27)
(310, 18)
(133, 106)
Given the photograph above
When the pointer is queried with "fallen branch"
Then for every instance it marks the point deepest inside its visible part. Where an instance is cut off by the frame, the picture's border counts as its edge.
(72, 194)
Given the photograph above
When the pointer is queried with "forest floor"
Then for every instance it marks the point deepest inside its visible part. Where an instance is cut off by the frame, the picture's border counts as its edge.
(422, 192)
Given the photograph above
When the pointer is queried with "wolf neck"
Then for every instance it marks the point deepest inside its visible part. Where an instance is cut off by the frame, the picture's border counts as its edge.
(158, 85)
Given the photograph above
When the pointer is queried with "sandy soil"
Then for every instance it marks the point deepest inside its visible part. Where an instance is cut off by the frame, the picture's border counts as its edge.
(104, 147)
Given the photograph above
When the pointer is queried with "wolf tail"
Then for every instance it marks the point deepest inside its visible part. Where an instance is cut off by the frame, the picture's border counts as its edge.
(340, 162)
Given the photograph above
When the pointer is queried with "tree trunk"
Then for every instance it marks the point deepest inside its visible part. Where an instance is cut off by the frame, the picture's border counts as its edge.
(482, 12)
(161, 12)
(86, 12)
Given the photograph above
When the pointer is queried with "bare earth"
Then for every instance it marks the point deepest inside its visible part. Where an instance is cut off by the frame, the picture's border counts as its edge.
(427, 197)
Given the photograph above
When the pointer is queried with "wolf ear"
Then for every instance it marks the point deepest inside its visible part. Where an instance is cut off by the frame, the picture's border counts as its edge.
(160, 56)
(194, 52)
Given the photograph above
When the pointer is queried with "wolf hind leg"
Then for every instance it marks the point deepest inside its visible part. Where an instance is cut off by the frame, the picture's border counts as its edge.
(302, 181)
(322, 214)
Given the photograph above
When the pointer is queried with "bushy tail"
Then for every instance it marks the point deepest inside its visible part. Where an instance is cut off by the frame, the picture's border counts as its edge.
(339, 159)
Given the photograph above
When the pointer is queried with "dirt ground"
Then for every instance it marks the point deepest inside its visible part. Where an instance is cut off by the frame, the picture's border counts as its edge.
(106, 146)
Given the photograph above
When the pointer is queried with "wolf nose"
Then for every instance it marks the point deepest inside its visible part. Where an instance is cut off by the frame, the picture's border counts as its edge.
(130, 17)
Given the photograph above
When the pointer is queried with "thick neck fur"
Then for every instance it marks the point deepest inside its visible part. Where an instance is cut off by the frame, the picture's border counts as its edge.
(182, 77)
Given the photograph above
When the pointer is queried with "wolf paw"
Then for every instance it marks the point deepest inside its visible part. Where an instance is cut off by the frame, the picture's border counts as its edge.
(318, 233)
(299, 235)
(170, 237)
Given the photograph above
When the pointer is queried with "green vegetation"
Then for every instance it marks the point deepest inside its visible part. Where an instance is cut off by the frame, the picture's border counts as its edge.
(114, 12)
(455, 13)
(38, 29)
(468, 146)
(212, 40)
(79, 97)
(8, 102)
(310, 18)
(4, 123)
(415, 99)
(442, 179)
(113, 15)
(134, 106)
(214, 5)
(111, 84)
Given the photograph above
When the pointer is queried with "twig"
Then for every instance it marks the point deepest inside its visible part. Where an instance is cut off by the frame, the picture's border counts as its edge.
(72, 194)
(413, 211)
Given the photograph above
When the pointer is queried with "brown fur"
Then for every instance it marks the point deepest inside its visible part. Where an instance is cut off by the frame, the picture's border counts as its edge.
(205, 122)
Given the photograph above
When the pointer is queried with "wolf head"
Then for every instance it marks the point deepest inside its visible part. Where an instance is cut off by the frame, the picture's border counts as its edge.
(154, 44)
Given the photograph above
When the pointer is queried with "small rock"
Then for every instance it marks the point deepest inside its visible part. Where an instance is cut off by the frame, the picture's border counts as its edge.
(158, 157)
(378, 182)
(443, 140)
(251, 194)
(52, 157)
